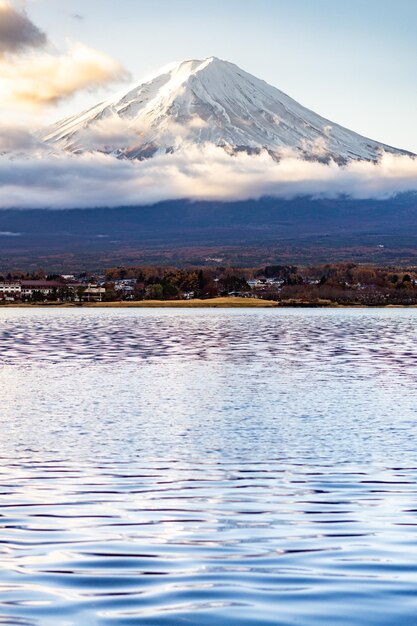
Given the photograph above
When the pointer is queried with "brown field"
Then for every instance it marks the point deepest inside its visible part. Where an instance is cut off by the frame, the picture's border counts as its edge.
(210, 303)
(226, 302)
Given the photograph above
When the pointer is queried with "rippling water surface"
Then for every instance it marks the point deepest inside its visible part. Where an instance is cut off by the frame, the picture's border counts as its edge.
(208, 467)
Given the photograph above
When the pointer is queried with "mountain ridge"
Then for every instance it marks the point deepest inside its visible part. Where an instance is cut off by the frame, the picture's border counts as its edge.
(270, 230)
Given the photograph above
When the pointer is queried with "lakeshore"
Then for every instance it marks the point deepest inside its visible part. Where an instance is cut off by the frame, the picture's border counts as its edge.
(226, 302)
(339, 285)
(210, 303)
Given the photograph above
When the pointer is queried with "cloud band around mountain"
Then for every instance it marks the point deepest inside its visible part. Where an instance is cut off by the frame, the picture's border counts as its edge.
(92, 180)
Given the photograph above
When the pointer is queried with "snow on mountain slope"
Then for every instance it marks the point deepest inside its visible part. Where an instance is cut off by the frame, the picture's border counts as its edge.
(209, 101)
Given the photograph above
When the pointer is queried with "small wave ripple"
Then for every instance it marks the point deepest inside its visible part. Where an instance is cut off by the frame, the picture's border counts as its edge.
(208, 468)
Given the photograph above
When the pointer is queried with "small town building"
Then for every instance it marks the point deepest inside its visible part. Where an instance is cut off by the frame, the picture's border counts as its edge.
(93, 293)
(42, 287)
(10, 290)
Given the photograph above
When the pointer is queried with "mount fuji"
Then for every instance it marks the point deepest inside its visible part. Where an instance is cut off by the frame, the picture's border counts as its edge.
(187, 115)
(210, 101)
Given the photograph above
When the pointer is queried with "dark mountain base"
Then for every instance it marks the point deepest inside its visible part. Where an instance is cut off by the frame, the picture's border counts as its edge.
(301, 230)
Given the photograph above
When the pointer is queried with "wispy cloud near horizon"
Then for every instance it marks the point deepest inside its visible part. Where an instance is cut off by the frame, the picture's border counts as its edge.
(64, 181)
(17, 32)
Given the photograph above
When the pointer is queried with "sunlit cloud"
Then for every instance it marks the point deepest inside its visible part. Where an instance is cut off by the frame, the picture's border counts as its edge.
(47, 78)
(34, 73)
(60, 180)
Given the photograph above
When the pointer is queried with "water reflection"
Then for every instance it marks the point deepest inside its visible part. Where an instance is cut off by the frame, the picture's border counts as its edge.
(209, 467)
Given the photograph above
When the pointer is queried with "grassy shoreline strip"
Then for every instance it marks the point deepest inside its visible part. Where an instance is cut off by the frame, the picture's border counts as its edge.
(211, 303)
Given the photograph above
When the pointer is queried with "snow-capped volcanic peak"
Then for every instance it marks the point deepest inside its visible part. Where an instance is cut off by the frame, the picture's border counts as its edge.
(209, 101)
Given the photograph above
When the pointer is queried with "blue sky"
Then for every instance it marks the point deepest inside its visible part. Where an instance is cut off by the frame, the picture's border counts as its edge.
(354, 62)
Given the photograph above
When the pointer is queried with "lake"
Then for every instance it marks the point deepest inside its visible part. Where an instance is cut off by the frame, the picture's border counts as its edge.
(208, 467)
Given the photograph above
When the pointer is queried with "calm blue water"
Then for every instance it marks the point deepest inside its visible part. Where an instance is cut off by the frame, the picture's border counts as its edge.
(208, 467)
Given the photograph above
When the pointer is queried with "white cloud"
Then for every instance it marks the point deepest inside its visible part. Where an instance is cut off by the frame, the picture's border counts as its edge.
(17, 138)
(98, 180)
(108, 134)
